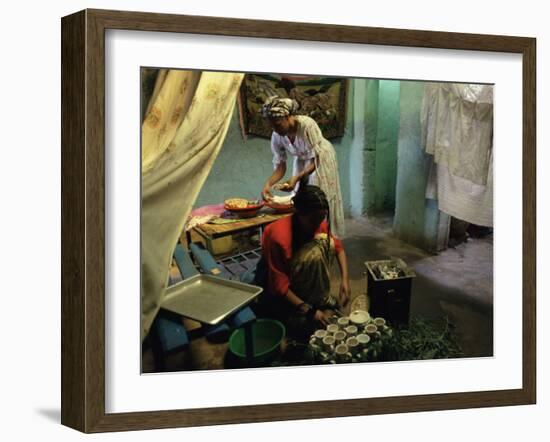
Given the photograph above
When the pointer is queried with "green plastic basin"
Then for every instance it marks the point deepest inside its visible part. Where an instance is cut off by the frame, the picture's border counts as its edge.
(267, 336)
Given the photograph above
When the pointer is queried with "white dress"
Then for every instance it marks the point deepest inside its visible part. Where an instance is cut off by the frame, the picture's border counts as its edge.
(310, 145)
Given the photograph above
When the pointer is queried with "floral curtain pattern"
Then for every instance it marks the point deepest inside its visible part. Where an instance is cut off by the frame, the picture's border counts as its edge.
(183, 131)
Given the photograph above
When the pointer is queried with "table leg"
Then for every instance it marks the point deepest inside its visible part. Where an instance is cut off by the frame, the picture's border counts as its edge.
(188, 238)
(249, 342)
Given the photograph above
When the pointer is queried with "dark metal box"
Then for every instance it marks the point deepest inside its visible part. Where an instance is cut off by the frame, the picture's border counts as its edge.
(389, 298)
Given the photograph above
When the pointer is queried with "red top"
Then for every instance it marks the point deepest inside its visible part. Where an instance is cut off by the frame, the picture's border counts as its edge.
(277, 251)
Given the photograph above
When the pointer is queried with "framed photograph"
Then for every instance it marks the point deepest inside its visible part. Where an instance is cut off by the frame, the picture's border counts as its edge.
(251, 237)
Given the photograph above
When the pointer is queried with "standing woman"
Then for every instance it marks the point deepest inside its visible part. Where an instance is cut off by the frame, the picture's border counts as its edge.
(314, 156)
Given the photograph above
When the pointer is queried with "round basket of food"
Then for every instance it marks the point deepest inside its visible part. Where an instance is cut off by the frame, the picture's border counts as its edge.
(242, 207)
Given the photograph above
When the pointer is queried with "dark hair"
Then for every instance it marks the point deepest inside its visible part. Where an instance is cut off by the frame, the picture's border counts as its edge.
(310, 198)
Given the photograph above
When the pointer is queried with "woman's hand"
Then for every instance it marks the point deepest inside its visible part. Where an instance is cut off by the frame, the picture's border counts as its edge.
(266, 192)
(345, 292)
(322, 318)
(288, 186)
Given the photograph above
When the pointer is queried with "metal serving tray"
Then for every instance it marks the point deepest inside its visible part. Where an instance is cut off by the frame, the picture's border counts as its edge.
(208, 299)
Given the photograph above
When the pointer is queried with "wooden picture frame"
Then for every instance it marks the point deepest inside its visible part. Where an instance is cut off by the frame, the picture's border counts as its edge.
(83, 220)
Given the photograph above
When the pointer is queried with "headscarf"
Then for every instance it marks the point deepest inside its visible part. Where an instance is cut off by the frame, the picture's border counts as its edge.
(276, 107)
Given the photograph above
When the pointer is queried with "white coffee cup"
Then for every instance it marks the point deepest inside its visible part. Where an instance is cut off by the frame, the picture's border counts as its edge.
(351, 330)
(371, 329)
(360, 318)
(332, 328)
(363, 340)
(379, 322)
(343, 322)
(353, 345)
(319, 335)
(328, 343)
(342, 353)
(339, 337)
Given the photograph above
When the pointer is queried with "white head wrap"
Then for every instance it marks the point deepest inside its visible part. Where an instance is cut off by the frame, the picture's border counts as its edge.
(275, 107)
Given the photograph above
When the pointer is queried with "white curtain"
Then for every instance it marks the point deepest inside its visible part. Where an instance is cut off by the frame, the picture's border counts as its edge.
(182, 133)
(457, 129)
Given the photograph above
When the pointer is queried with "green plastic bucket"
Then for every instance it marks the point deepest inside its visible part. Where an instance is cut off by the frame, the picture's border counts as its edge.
(267, 335)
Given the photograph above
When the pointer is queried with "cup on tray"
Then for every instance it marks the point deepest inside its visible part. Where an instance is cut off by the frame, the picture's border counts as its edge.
(332, 328)
(353, 345)
(328, 343)
(342, 353)
(363, 340)
(343, 322)
(351, 330)
(319, 335)
(340, 337)
(371, 330)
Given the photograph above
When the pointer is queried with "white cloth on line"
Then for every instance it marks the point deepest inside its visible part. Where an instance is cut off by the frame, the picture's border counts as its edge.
(457, 128)
(461, 198)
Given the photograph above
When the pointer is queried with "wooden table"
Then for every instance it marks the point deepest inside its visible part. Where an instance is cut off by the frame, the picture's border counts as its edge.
(212, 231)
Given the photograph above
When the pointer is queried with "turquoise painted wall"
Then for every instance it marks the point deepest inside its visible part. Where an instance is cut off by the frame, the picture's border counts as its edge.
(387, 136)
(382, 165)
(243, 166)
(416, 218)
(369, 156)
(240, 169)
(357, 180)
(343, 151)
(380, 157)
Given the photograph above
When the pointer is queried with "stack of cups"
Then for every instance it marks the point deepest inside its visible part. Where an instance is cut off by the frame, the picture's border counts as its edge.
(344, 340)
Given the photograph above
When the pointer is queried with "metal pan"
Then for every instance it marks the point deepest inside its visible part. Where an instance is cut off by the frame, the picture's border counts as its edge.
(208, 299)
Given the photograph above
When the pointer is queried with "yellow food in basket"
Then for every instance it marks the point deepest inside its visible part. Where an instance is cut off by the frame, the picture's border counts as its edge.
(236, 203)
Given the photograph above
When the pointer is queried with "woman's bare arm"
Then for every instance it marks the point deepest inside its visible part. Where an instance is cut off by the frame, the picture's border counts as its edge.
(275, 177)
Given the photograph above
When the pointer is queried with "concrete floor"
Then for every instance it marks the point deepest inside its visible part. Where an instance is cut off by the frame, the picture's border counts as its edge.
(457, 283)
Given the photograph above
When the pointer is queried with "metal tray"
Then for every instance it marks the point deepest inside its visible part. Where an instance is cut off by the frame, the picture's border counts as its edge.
(208, 299)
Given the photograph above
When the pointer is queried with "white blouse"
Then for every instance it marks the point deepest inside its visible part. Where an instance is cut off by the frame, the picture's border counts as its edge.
(302, 147)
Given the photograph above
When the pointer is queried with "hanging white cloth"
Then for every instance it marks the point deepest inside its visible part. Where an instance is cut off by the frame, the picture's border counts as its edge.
(461, 198)
(457, 129)
(182, 134)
